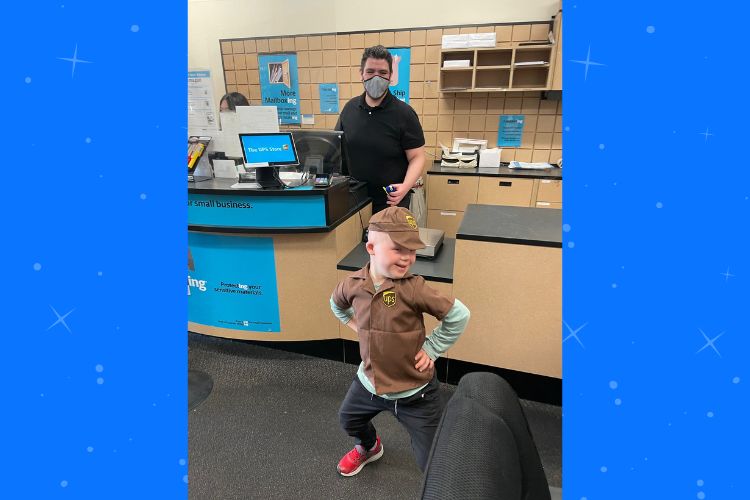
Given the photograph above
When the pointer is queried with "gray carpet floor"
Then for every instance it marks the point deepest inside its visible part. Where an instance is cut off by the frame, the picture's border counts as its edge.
(269, 430)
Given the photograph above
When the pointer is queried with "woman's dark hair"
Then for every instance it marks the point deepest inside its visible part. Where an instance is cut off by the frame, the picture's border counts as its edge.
(376, 52)
(234, 99)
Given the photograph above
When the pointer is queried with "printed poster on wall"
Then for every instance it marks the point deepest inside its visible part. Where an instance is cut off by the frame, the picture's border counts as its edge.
(232, 282)
(329, 98)
(510, 131)
(201, 114)
(400, 76)
(279, 85)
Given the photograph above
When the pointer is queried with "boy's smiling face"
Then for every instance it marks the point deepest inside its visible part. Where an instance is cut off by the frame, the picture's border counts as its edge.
(388, 259)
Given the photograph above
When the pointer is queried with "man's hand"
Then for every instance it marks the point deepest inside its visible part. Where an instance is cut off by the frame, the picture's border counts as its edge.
(423, 361)
(396, 196)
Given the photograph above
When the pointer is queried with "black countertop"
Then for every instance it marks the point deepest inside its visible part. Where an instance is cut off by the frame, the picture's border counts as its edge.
(516, 225)
(224, 186)
(438, 269)
(553, 173)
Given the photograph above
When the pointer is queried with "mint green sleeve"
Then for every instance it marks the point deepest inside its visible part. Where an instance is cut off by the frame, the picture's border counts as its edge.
(447, 332)
(344, 315)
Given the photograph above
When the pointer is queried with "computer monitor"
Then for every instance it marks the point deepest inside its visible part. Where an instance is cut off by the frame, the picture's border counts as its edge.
(324, 150)
(266, 152)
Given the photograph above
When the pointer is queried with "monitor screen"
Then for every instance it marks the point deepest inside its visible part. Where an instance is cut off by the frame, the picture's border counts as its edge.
(323, 149)
(274, 149)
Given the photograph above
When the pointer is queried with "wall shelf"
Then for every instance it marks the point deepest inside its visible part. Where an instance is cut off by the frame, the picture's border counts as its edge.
(524, 67)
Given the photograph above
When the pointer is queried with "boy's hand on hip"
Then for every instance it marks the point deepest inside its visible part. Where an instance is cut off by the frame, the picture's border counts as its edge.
(423, 361)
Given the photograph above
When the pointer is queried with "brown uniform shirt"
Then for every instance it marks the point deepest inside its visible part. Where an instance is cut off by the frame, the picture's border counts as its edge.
(391, 326)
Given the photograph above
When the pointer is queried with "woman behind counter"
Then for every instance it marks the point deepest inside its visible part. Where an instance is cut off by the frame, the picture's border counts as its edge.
(230, 101)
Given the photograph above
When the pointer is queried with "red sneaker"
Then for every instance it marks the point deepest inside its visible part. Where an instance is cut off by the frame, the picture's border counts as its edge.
(353, 461)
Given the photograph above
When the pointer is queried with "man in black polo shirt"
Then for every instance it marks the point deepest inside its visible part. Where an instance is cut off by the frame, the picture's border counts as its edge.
(383, 134)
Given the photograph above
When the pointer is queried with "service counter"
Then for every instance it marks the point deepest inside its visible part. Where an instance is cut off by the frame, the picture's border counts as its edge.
(508, 272)
(262, 263)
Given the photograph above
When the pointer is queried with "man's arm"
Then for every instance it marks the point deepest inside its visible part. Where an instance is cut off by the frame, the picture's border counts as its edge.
(416, 159)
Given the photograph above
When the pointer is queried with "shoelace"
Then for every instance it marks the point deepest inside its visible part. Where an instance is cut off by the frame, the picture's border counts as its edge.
(356, 457)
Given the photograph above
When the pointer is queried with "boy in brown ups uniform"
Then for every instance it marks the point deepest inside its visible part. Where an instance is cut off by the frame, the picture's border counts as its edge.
(384, 304)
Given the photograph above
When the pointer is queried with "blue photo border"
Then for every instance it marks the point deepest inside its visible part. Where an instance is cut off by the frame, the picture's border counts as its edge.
(655, 274)
(654, 269)
(94, 245)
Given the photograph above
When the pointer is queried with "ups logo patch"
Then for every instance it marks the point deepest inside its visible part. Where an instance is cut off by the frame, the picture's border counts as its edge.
(412, 223)
(389, 299)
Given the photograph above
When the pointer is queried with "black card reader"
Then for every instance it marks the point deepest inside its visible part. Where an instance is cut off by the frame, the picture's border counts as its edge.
(322, 180)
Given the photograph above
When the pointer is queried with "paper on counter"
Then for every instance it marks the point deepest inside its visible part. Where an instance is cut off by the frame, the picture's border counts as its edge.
(490, 157)
(257, 119)
(529, 166)
(226, 169)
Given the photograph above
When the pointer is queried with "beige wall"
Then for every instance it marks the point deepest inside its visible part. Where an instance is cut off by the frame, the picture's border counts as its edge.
(211, 20)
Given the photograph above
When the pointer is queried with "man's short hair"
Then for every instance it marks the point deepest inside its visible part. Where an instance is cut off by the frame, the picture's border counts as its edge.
(376, 52)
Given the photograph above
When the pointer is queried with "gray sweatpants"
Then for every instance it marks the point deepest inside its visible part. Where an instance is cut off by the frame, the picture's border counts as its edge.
(419, 414)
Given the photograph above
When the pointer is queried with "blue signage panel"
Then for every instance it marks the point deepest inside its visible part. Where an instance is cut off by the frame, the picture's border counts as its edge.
(256, 211)
(510, 131)
(329, 98)
(279, 85)
(400, 76)
(232, 282)
(268, 148)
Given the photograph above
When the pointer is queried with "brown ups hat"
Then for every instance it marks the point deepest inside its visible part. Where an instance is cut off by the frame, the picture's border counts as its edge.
(401, 226)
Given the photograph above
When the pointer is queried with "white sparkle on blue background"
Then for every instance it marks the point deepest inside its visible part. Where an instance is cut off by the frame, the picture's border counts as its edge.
(182, 461)
(90, 449)
(710, 342)
(700, 482)
(566, 228)
(27, 79)
(736, 380)
(650, 29)
(99, 368)
(88, 140)
(603, 469)
(710, 414)
(37, 266)
(185, 479)
(701, 495)
(618, 402)
(574, 333)
(659, 204)
(135, 28)
(613, 384)
(64, 483)
(99, 273)
(588, 62)
(73, 60)
(601, 146)
(614, 285)
(727, 275)
(571, 244)
(567, 129)
(143, 196)
(99, 380)
(61, 319)
(706, 133)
